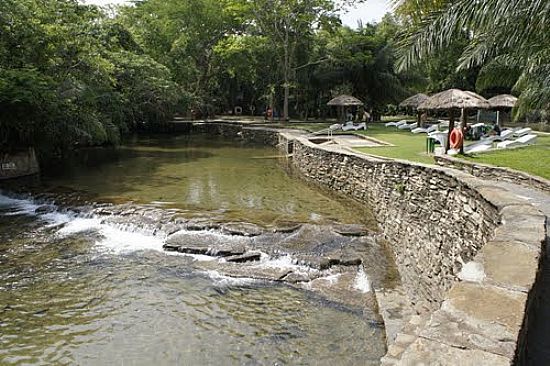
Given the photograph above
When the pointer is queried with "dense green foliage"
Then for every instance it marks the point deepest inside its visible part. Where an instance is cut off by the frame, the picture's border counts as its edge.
(291, 55)
(69, 76)
(72, 74)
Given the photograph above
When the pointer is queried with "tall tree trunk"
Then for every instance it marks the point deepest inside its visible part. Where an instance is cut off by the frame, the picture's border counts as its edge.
(286, 79)
(464, 128)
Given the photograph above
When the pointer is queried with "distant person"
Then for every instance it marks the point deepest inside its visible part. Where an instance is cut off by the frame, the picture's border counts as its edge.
(495, 130)
(366, 116)
(349, 116)
(268, 113)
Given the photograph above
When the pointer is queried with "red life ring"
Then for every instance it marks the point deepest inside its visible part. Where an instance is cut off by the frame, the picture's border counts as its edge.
(456, 139)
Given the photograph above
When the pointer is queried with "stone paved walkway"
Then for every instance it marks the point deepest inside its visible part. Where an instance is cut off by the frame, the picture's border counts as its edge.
(538, 339)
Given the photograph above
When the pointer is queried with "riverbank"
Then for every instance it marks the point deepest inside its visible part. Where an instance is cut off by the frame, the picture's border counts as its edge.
(478, 245)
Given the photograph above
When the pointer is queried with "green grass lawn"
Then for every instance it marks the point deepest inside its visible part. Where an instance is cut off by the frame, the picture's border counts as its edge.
(408, 146)
(532, 159)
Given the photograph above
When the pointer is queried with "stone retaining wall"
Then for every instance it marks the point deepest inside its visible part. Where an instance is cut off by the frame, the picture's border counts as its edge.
(18, 164)
(484, 171)
(468, 253)
(256, 135)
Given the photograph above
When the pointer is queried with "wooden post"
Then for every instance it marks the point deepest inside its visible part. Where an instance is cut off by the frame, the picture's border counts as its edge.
(451, 128)
(464, 126)
(419, 118)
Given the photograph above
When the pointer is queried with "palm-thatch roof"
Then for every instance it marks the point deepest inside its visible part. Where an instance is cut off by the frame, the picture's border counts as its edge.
(454, 99)
(503, 101)
(414, 101)
(345, 101)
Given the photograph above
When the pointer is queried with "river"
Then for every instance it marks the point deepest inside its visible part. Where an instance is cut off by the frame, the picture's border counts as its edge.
(79, 287)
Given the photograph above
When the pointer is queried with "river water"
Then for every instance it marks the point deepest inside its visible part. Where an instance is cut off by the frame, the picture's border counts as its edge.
(77, 290)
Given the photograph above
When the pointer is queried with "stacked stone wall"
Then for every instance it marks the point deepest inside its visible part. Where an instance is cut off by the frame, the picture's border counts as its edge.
(484, 171)
(434, 221)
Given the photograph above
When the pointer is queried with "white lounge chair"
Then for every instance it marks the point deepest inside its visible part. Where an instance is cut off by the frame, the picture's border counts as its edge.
(523, 140)
(429, 129)
(408, 126)
(334, 127)
(506, 134)
(350, 126)
(439, 136)
(360, 126)
(479, 146)
(527, 139)
(396, 124)
(522, 132)
(328, 131)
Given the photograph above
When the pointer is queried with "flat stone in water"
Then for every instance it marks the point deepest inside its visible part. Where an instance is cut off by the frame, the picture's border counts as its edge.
(350, 229)
(246, 257)
(206, 243)
(241, 228)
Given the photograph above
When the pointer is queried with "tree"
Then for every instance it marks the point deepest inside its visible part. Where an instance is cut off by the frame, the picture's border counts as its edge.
(69, 75)
(502, 34)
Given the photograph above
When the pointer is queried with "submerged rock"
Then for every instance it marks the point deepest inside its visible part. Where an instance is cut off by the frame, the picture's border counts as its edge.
(241, 228)
(206, 243)
(350, 229)
(246, 257)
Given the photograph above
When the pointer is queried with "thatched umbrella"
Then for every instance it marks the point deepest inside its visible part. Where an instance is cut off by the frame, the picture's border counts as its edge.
(454, 100)
(502, 102)
(343, 101)
(413, 102)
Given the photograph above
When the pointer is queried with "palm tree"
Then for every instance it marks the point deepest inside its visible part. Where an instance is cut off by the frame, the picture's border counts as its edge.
(508, 38)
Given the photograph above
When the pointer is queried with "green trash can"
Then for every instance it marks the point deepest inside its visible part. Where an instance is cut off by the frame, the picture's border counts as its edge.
(430, 145)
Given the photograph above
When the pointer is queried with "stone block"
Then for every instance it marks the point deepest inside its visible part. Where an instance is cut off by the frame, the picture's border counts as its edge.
(425, 352)
(521, 223)
(511, 265)
(499, 197)
(479, 317)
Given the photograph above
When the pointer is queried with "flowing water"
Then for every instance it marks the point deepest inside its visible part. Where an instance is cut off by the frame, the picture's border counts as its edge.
(76, 290)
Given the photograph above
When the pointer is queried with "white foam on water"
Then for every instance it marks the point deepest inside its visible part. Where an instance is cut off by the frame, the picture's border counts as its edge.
(119, 242)
(195, 257)
(283, 262)
(331, 279)
(361, 281)
(223, 280)
(79, 225)
(20, 206)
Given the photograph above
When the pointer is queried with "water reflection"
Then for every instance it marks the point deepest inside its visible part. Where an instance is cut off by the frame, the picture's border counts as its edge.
(200, 175)
(66, 299)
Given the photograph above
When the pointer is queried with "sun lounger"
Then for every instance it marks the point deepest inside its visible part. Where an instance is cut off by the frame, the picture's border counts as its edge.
(478, 147)
(396, 124)
(523, 140)
(328, 130)
(506, 134)
(408, 126)
(360, 126)
(527, 139)
(429, 129)
(439, 136)
(350, 126)
(522, 132)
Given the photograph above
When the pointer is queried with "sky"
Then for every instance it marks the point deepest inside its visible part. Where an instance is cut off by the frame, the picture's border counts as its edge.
(371, 11)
